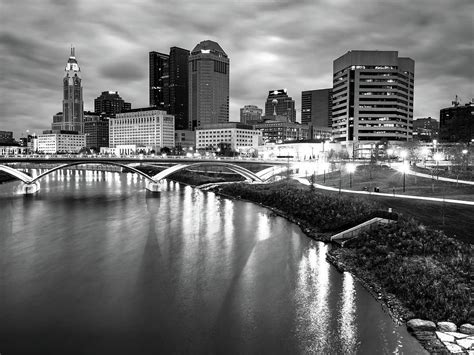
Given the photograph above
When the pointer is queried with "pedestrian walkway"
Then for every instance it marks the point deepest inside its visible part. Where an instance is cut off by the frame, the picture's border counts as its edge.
(429, 176)
(412, 197)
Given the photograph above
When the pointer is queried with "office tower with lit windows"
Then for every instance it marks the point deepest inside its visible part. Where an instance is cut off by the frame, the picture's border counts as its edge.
(208, 86)
(372, 99)
(280, 104)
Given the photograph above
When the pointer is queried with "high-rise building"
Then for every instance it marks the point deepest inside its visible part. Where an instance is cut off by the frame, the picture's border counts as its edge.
(159, 79)
(6, 137)
(110, 103)
(208, 85)
(372, 98)
(280, 104)
(73, 105)
(251, 114)
(169, 83)
(316, 108)
(456, 123)
(96, 130)
(178, 87)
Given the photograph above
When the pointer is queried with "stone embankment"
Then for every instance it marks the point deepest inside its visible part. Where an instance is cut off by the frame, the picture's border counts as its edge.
(443, 337)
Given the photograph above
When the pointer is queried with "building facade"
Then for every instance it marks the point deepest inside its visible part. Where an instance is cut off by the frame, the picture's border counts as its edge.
(250, 113)
(208, 70)
(425, 129)
(54, 141)
(316, 108)
(280, 104)
(96, 130)
(143, 127)
(456, 123)
(184, 139)
(158, 79)
(72, 118)
(236, 136)
(280, 132)
(372, 98)
(110, 103)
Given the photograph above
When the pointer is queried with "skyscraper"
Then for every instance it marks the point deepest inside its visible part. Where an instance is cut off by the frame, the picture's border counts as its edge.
(372, 98)
(178, 86)
(280, 104)
(208, 84)
(456, 123)
(73, 105)
(159, 79)
(110, 103)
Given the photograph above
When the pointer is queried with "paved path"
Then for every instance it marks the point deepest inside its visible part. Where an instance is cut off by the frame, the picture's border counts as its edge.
(435, 199)
(429, 176)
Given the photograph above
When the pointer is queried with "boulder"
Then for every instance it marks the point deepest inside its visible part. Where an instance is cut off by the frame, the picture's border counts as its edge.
(445, 337)
(447, 327)
(466, 343)
(467, 329)
(453, 348)
(420, 324)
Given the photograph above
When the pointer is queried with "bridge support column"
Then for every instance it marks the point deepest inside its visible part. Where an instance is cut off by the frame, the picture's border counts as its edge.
(153, 186)
(29, 188)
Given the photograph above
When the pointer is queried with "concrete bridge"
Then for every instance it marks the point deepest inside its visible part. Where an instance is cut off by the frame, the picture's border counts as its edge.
(31, 184)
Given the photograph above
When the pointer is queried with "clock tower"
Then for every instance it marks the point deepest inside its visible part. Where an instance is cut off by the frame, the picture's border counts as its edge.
(73, 104)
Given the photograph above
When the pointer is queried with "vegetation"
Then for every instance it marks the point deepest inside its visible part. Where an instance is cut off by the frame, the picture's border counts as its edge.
(319, 210)
(427, 271)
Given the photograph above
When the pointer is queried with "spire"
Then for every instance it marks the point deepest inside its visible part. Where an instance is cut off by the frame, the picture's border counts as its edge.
(73, 51)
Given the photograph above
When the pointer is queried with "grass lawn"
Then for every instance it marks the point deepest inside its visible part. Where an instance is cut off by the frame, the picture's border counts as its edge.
(455, 220)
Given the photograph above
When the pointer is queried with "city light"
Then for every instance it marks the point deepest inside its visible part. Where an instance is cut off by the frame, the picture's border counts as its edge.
(350, 168)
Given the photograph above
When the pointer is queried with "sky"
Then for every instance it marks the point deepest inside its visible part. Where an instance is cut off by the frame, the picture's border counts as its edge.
(272, 44)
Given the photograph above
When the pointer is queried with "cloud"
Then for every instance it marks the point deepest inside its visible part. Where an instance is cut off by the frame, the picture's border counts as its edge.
(271, 44)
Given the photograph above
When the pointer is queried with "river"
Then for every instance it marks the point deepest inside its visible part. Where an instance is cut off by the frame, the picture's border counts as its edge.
(95, 264)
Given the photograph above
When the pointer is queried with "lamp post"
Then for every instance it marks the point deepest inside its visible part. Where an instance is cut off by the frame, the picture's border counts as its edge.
(389, 155)
(464, 156)
(405, 168)
(437, 157)
(350, 168)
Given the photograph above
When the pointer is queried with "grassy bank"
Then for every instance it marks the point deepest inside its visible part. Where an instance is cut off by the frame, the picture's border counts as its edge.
(425, 270)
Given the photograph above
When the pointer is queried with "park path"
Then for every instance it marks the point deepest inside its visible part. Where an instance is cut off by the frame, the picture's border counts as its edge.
(304, 181)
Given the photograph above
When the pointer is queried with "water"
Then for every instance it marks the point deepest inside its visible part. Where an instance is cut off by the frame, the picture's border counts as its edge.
(95, 264)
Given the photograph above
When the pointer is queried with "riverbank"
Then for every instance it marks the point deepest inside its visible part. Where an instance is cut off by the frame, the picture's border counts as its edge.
(413, 271)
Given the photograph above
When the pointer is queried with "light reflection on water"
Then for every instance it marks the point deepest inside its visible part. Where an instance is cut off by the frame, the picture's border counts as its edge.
(93, 254)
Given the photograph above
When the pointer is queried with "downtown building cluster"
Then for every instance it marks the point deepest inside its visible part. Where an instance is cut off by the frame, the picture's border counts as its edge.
(369, 104)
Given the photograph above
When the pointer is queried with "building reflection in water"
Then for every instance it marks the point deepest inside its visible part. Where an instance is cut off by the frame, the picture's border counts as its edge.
(347, 327)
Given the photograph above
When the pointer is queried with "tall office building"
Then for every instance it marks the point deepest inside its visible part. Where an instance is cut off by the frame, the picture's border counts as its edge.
(72, 118)
(372, 98)
(96, 130)
(110, 103)
(456, 123)
(159, 79)
(208, 85)
(250, 113)
(169, 83)
(316, 108)
(280, 104)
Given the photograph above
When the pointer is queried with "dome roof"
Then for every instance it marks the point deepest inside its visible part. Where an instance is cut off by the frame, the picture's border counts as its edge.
(209, 47)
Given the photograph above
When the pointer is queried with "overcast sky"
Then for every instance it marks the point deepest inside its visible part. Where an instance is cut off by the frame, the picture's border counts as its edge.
(271, 44)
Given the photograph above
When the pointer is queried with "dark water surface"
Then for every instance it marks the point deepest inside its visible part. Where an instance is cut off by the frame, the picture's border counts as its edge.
(94, 264)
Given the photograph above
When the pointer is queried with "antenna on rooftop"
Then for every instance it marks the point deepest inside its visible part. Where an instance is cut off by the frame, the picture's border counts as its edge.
(456, 101)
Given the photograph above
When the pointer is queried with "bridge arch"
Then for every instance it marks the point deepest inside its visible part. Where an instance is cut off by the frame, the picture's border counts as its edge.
(63, 166)
(232, 167)
(16, 173)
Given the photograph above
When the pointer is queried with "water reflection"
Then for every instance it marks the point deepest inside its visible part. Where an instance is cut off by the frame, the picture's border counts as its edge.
(96, 256)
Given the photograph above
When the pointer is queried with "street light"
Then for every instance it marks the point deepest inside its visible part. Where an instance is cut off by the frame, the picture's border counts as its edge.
(405, 169)
(350, 168)
(389, 155)
(437, 157)
(464, 155)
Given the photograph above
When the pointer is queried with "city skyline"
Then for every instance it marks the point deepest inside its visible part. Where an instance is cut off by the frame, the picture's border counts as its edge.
(268, 50)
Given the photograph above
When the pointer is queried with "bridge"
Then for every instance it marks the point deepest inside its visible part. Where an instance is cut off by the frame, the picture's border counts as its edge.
(31, 184)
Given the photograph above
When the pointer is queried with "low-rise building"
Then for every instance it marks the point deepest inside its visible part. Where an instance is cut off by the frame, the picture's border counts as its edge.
(60, 141)
(184, 139)
(279, 132)
(96, 129)
(233, 135)
(6, 137)
(147, 127)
